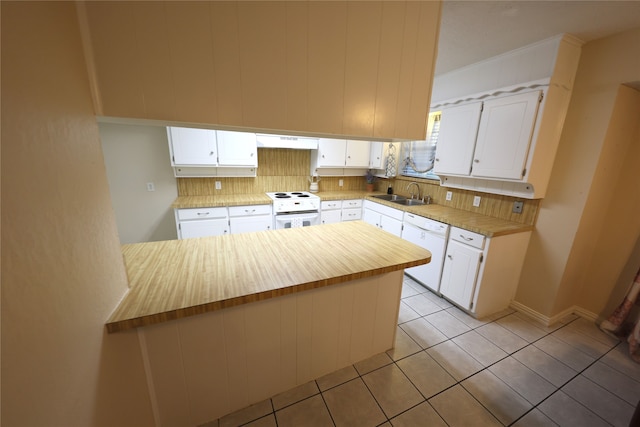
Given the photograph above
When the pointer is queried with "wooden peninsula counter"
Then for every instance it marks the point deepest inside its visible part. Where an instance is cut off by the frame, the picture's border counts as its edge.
(225, 322)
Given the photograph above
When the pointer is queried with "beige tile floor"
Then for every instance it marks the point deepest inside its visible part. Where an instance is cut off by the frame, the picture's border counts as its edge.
(449, 369)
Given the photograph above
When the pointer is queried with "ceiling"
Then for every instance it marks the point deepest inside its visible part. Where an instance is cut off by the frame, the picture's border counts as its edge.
(471, 31)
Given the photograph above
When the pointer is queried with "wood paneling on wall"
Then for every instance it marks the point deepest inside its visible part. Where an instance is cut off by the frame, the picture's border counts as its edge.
(282, 169)
(493, 205)
(361, 69)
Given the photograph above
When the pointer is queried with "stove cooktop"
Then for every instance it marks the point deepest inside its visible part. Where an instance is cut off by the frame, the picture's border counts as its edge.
(291, 195)
(294, 201)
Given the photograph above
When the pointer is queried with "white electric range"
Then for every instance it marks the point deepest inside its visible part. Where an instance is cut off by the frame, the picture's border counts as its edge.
(295, 209)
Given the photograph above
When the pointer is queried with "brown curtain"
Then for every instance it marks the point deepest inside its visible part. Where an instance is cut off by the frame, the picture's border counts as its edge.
(617, 323)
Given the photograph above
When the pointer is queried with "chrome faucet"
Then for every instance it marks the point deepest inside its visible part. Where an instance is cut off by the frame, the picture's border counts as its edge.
(417, 186)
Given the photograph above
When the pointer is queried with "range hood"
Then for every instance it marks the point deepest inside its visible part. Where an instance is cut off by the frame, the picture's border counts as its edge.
(286, 141)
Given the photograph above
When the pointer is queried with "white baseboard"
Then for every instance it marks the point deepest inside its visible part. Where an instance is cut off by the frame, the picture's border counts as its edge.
(548, 321)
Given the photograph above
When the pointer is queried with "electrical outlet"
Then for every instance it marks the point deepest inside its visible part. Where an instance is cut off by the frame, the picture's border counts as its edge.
(449, 194)
(151, 186)
(517, 207)
(340, 183)
(476, 201)
(218, 185)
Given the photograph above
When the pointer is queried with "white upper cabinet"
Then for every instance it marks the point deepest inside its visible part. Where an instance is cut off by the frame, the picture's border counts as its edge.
(331, 152)
(357, 154)
(237, 149)
(513, 141)
(376, 157)
(341, 153)
(206, 152)
(457, 139)
(504, 136)
(487, 139)
(192, 147)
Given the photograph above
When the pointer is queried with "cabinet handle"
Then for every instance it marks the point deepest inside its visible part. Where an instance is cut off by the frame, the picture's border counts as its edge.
(450, 257)
(249, 211)
(211, 153)
(251, 154)
(468, 239)
(437, 160)
(476, 161)
(203, 213)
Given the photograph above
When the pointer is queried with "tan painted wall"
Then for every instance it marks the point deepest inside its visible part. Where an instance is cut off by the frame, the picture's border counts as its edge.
(553, 269)
(62, 269)
(135, 155)
(610, 226)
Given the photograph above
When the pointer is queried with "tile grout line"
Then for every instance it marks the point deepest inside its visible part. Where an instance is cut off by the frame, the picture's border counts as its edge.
(471, 328)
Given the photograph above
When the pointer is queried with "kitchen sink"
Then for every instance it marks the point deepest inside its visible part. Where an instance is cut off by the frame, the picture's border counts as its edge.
(409, 202)
(391, 197)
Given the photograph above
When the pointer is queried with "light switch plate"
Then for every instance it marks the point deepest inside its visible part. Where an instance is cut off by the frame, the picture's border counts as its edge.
(151, 186)
(449, 194)
(340, 183)
(476, 201)
(218, 185)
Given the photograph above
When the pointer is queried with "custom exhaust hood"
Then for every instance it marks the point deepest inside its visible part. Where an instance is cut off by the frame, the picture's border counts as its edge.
(286, 141)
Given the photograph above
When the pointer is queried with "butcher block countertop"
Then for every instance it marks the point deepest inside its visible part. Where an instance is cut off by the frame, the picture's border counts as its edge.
(483, 224)
(178, 278)
(478, 223)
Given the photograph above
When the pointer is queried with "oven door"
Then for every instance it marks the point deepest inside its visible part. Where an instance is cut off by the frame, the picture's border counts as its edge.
(294, 220)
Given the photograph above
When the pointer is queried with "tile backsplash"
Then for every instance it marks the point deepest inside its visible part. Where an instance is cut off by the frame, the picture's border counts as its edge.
(288, 170)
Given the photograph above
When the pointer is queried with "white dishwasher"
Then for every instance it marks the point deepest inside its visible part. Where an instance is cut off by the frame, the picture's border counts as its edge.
(431, 235)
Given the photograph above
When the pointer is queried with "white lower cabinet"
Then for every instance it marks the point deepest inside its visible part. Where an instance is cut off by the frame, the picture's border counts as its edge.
(246, 219)
(383, 217)
(202, 222)
(340, 210)
(330, 211)
(351, 210)
(460, 273)
(481, 274)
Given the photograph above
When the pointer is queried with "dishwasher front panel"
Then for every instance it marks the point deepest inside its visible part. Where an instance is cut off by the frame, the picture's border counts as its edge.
(428, 274)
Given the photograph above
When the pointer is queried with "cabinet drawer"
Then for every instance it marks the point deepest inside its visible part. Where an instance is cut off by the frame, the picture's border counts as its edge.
(354, 203)
(202, 213)
(351, 214)
(328, 205)
(467, 237)
(250, 210)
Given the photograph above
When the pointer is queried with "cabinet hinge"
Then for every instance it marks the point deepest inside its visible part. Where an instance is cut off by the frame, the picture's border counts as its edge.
(540, 97)
(471, 306)
(481, 107)
(481, 257)
(524, 171)
(179, 226)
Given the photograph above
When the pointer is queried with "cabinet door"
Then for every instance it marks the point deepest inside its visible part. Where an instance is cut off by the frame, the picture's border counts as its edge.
(358, 154)
(330, 217)
(204, 228)
(460, 273)
(391, 225)
(237, 149)
(192, 146)
(376, 156)
(504, 136)
(248, 224)
(331, 152)
(371, 217)
(457, 139)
